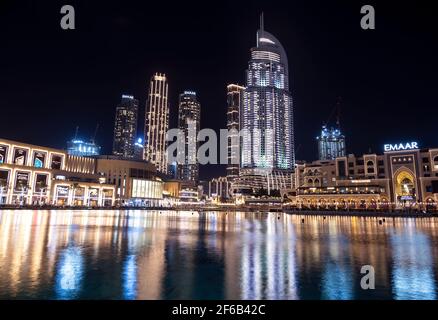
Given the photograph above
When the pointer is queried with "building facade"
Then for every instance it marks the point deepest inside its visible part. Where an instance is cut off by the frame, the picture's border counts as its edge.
(157, 122)
(136, 181)
(125, 127)
(234, 104)
(219, 189)
(394, 180)
(267, 113)
(331, 144)
(189, 117)
(35, 175)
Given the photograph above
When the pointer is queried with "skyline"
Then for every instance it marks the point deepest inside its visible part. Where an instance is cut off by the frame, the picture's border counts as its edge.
(379, 76)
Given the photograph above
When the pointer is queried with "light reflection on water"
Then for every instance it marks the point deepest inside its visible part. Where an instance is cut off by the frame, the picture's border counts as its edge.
(191, 255)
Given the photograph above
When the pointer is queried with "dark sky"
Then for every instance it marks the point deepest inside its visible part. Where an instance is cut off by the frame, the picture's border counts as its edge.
(52, 80)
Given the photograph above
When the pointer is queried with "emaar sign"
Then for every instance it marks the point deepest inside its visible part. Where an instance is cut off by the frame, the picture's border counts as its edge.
(401, 146)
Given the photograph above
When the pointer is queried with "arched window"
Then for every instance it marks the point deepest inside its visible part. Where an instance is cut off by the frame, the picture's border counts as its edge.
(317, 181)
(370, 164)
(310, 181)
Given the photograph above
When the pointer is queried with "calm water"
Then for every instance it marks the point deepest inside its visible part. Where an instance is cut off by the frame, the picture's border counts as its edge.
(185, 255)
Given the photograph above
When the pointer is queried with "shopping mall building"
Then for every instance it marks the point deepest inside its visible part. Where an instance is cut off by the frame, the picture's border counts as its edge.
(34, 175)
(403, 176)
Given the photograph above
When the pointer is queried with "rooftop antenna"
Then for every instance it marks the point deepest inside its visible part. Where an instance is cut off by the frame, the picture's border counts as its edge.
(76, 132)
(262, 27)
(260, 32)
(95, 134)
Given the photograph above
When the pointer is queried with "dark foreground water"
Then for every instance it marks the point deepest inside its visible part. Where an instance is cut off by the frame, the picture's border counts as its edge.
(185, 255)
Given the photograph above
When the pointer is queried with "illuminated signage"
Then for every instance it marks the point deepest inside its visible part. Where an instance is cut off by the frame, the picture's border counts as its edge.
(20, 156)
(361, 181)
(38, 159)
(22, 181)
(41, 183)
(56, 162)
(62, 191)
(3, 154)
(125, 96)
(401, 146)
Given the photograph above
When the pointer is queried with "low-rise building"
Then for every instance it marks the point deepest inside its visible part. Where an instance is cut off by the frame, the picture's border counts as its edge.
(136, 181)
(401, 177)
(35, 175)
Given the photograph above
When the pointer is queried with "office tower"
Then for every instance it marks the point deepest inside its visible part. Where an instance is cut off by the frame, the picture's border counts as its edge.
(139, 149)
(125, 127)
(157, 122)
(234, 101)
(189, 116)
(267, 111)
(331, 144)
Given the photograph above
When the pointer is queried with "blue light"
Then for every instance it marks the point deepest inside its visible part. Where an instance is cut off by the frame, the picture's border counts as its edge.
(38, 163)
(69, 273)
(140, 140)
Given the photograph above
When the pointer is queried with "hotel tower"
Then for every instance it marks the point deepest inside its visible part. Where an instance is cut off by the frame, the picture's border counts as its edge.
(157, 123)
(267, 112)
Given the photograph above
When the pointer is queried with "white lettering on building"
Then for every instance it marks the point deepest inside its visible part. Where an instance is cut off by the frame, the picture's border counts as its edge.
(401, 146)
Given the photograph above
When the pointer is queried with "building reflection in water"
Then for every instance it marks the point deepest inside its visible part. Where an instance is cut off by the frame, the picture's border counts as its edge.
(212, 255)
(69, 273)
(413, 276)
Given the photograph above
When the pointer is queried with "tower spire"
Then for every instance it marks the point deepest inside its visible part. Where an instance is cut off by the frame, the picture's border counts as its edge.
(262, 27)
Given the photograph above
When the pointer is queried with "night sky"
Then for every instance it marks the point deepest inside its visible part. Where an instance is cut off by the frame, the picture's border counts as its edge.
(52, 80)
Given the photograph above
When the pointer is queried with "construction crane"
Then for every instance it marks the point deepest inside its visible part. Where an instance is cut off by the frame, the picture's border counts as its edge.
(93, 140)
(337, 109)
(76, 133)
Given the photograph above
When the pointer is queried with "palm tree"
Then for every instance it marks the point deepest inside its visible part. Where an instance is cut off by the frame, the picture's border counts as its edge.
(74, 187)
(23, 186)
(42, 185)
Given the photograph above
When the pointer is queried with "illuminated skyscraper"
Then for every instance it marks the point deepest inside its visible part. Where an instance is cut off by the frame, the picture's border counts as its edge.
(157, 122)
(331, 144)
(234, 101)
(125, 127)
(81, 148)
(267, 112)
(189, 116)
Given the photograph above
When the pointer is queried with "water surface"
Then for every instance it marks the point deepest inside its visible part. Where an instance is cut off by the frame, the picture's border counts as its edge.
(190, 255)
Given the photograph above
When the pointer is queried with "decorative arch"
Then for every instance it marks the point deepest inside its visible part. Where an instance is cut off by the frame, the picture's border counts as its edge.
(435, 162)
(404, 182)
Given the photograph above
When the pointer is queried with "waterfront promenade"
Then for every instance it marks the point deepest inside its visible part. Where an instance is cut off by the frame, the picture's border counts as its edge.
(253, 208)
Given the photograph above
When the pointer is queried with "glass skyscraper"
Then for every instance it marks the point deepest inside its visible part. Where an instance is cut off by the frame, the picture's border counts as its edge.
(267, 113)
(157, 122)
(125, 127)
(189, 116)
